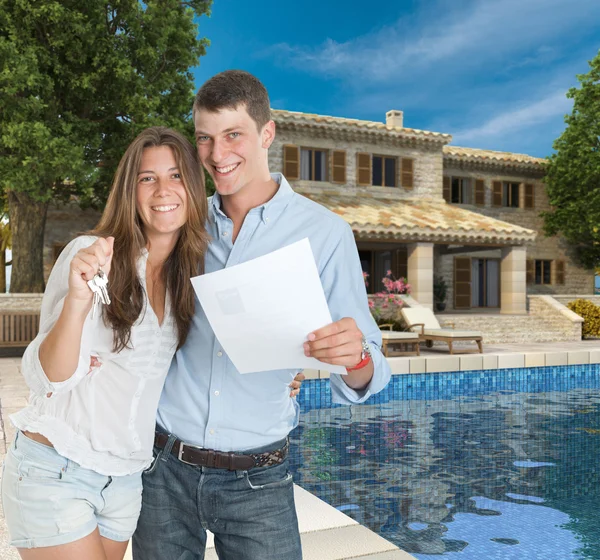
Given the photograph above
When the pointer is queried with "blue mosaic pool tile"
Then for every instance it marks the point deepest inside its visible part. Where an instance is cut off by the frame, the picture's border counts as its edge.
(495, 464)
(315, 393)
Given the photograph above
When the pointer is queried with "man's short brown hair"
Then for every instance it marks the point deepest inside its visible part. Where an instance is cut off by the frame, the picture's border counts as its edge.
(232, 88)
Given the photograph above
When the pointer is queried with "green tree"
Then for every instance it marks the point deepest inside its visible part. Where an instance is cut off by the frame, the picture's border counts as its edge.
(573, 173)
(78, 81)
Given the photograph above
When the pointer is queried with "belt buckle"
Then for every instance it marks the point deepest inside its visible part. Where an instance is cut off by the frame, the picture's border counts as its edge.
(180, 452)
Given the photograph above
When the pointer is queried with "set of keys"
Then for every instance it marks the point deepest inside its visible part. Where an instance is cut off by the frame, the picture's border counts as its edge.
(99, 284)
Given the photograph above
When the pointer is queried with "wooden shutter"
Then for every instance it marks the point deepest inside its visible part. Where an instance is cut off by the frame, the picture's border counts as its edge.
(447, 182)
(479, 192)
(497, 193)
(529, 195)
(559, 272)
(363, 169)
(291, 162)
(530, 271)
(408, 173)
(462, 282)
(338, 166)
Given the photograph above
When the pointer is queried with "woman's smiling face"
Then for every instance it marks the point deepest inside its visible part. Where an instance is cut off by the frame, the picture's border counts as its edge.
(160, 193)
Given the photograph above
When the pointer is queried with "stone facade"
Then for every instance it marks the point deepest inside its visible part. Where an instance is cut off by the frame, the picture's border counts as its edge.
(428, 169)
(577, 279)
(20, 302)
(433, 160)
(547, 321)
(64, 223)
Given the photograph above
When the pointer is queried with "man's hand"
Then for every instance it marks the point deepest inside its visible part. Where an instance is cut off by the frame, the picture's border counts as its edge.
(296, 383)
(338, 343)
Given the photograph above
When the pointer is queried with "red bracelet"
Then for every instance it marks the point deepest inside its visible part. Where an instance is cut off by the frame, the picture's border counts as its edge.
(360, 364)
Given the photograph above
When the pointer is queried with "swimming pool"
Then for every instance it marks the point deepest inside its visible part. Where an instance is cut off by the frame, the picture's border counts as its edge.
(472, 465)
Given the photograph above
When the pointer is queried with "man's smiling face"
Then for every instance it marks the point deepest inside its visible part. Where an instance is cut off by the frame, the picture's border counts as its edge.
(231, 148)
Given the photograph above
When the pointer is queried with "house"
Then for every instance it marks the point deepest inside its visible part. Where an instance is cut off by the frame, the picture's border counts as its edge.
(420, 207)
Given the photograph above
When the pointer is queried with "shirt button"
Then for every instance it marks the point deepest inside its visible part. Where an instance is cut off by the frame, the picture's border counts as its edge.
(217, 393)
(225, 233)
(219, 353)
(212, 431)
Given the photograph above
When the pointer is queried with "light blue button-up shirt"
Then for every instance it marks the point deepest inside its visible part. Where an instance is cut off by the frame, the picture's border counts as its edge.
(206, 401)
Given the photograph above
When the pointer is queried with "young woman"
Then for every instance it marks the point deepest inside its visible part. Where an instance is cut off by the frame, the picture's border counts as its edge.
(71, 487)
(72, 479)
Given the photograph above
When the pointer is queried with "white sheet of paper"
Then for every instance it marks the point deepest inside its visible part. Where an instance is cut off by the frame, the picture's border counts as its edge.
(262, 310)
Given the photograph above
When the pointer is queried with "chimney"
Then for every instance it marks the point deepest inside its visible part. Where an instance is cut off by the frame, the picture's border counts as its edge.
(394, 118)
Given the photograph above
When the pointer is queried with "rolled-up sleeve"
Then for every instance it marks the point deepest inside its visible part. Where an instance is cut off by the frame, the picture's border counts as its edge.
(344, 287)
(52, 305)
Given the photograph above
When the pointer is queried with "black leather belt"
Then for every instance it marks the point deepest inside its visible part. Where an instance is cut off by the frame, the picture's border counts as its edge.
(201, 457)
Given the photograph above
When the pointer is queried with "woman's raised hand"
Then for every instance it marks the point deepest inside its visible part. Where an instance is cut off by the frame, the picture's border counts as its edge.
(85, 265)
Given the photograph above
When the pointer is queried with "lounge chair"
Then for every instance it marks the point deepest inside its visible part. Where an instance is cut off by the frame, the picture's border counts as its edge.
(421, 320)
(394, 338)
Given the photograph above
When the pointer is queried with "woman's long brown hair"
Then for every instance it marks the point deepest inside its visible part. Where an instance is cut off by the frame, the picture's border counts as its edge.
(121, 220)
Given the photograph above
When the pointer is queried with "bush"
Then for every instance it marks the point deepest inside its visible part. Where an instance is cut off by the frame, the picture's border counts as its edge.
(590, 313)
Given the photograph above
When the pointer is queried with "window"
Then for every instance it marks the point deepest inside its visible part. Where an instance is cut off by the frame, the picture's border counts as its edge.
(506, 194)
(510, 195)
(543, 272)
(383, 171)
(546, 272)
(313, 164)
(460, 190)
(377, 263)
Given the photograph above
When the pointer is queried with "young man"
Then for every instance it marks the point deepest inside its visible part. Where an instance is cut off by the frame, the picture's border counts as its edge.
(221, 440)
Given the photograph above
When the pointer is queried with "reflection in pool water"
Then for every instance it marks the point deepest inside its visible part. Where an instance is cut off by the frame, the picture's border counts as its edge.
(476, 465)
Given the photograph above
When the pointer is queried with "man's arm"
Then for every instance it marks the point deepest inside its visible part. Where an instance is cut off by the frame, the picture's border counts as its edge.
(340, 342)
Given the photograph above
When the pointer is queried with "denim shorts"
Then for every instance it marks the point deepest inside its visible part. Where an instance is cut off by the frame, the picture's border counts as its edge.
(49, 500)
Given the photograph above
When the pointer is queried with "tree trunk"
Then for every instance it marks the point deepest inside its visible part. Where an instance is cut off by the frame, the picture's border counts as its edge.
(27, 222)
(2, 271)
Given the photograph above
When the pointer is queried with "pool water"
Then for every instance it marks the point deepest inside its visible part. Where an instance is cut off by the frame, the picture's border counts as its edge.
(478, 465)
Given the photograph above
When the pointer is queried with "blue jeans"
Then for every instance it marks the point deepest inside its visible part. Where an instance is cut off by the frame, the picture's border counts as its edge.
(251, 513)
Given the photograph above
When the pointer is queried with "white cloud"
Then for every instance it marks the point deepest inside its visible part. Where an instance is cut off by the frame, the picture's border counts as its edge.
(445, 38)
(493, 73)
(516, 120)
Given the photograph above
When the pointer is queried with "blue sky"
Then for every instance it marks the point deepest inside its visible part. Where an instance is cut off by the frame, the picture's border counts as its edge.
(493, 73)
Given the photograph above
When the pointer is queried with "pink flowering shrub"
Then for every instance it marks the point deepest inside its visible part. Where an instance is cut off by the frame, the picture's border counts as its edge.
(385, 305)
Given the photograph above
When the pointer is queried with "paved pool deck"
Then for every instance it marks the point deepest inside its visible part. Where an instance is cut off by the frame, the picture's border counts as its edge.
(494, 356)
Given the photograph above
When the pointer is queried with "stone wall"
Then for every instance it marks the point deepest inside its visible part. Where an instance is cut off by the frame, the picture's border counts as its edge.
(546, 322)
(20, 302)
(564, 299)
(577, 279)
(428, 163)
(64, 223)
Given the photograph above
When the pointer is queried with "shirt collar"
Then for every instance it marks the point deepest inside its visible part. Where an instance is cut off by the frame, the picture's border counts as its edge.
(269, 209)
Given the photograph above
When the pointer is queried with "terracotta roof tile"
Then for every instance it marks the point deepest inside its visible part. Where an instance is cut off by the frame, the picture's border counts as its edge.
(453, 152)
(419, 220)
(475, 154)
(294, 117)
